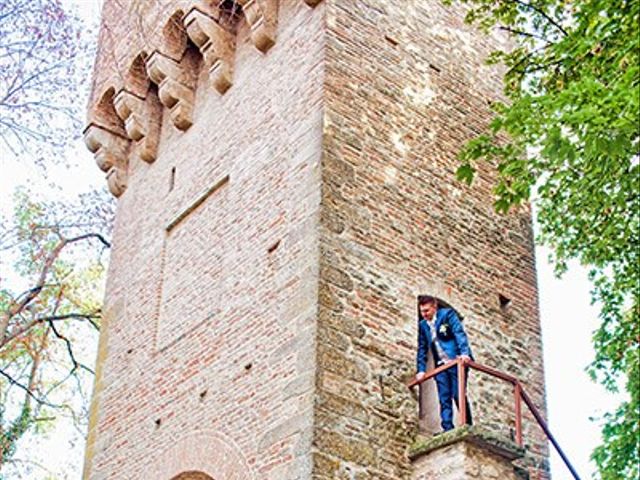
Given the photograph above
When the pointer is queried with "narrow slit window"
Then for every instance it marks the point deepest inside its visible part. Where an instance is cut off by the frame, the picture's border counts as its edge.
(172, 178)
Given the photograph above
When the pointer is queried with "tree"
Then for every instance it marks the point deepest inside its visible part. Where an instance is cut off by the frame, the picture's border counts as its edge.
(58, 251)
(51, 252)
(43, 56)
(568, 135)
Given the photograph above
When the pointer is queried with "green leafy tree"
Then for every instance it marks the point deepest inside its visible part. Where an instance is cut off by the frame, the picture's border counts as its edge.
(567, 135)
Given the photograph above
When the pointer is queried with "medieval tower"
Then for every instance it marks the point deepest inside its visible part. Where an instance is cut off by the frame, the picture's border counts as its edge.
(285, 180)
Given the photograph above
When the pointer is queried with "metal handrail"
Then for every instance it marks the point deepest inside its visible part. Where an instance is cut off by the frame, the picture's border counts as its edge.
(519, 396)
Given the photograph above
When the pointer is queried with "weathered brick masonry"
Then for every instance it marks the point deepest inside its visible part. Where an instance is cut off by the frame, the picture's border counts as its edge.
(285, 180)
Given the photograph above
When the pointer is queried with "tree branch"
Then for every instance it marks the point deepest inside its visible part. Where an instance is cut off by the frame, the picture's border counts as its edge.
(12, 381)
(544, 14)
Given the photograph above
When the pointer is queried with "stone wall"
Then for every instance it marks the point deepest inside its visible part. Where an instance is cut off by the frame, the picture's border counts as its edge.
(211, 296)
(406, 86)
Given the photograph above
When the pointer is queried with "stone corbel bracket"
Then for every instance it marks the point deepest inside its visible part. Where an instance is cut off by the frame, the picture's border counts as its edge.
(139, 122)
(262, 17)
(110, 151)
(217, 46)
(174, 88)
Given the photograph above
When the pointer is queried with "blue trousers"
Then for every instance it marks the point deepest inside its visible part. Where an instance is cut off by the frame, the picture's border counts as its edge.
(447, 383)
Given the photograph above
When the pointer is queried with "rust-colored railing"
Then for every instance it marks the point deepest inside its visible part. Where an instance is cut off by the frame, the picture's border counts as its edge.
(518, 393)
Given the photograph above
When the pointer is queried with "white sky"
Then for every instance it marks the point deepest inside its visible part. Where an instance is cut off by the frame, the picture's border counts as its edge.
(568, 321)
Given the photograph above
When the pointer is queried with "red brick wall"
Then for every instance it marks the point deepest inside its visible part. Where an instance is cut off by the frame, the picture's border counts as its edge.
(211, 350)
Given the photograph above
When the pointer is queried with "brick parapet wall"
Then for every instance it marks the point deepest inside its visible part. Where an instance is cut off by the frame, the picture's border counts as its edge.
(406, 86)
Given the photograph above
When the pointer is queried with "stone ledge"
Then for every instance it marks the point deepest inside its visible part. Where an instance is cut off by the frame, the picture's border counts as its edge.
(476, 435)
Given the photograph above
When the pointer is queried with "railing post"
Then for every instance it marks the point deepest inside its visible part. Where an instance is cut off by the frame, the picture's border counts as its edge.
(462, 404)
(517, 392)
(420, 406)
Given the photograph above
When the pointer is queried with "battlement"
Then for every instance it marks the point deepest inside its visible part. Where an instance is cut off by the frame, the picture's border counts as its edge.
(149, 62)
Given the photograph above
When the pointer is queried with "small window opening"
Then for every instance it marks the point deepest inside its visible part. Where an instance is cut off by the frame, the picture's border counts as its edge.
(172, 178)
(504, 301)
(391, 40)
(273, 247)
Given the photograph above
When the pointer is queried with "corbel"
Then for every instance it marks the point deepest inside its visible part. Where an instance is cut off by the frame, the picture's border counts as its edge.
(110, 150)
(174, 88)
(217, 46)
(117, 181)
(140, 122)
(262, 17)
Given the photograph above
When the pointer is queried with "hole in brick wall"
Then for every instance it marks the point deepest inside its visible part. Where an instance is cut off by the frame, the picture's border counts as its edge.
(433, 67)
(130, 350)
(391, 40)
(248, 366)
(172, 178)
(273, 247)
(504, 301)
(203, 394)
(158, 422)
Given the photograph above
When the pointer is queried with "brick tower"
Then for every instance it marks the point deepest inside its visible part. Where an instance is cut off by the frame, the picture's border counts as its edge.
(284, 174)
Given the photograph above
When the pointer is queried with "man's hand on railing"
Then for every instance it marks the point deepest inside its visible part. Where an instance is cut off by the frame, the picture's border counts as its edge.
(465, 358)
(420, 376)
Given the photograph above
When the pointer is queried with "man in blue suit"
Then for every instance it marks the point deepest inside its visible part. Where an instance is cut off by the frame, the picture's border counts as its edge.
(441, 333)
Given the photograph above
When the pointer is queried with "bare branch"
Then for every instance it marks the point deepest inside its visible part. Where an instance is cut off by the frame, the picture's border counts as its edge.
(12, 381)
(67, 342)
(17, 333)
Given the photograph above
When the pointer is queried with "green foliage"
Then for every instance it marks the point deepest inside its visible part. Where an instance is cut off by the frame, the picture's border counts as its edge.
(568, 135)
(13, 432)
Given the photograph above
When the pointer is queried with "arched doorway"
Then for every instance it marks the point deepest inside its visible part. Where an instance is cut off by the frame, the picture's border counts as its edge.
(192, 476)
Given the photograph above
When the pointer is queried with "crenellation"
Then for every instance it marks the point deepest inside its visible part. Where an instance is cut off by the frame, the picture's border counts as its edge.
(217, 46)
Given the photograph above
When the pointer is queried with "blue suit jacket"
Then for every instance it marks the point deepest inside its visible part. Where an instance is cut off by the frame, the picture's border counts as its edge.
(451, 335)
